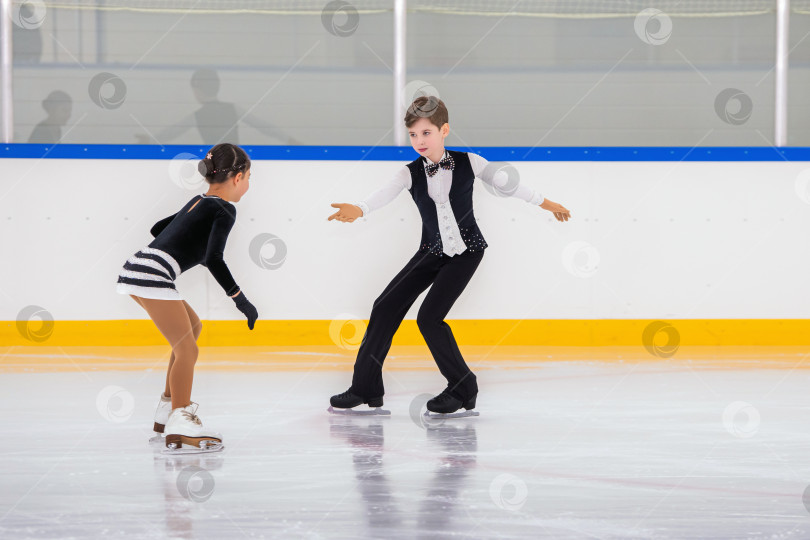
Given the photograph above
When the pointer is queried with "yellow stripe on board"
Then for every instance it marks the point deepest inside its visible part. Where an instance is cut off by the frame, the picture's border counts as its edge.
(661, 336)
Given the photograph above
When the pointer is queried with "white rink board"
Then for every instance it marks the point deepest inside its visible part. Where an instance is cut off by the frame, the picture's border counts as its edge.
(647, 240)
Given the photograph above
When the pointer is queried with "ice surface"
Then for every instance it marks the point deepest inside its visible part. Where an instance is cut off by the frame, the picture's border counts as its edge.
(561, 450)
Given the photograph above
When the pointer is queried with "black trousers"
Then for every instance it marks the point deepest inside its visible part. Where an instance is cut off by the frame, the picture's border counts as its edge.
(449, 276)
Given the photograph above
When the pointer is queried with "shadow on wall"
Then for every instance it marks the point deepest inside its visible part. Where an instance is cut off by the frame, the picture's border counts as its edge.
(216, 121)
(58, 105)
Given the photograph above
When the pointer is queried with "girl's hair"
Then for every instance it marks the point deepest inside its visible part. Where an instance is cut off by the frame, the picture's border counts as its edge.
(222, 162)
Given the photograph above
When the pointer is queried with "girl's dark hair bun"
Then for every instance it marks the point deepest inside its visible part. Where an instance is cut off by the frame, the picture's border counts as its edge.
(223, 161)
(206, 167)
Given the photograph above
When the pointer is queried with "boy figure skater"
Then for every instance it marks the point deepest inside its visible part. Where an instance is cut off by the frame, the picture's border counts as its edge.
(441, 184)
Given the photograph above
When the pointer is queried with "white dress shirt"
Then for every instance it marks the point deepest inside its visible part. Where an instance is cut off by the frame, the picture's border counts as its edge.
(439, 190)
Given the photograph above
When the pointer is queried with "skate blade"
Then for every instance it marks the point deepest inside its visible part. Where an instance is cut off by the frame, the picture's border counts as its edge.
(180, 444)
(191, 450)
(460, 414)
(376, 411)
(157, 439)
(206, 447)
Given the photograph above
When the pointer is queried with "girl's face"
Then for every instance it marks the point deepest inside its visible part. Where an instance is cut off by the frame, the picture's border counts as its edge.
(426, 138)
(241, 184)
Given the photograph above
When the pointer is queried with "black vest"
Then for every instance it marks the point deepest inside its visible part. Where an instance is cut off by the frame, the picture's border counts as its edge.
(461, 190)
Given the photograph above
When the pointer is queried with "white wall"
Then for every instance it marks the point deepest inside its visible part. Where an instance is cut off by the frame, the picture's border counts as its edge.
(674, 240)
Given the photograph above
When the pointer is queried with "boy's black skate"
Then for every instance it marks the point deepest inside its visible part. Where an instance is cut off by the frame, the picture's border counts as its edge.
(346, 402)
(446, 406)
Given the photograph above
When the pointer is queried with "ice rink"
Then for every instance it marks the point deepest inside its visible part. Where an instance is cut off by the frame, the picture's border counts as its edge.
(638, 174)
(562, 449)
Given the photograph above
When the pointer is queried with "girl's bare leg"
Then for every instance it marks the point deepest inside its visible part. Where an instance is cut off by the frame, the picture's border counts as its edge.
(196, 326)
(174, 320)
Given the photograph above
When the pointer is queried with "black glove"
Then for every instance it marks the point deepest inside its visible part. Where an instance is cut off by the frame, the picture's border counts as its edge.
(244, 305)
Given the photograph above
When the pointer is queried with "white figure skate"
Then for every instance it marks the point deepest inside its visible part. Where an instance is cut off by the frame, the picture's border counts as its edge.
(185, 433)
(162, 412)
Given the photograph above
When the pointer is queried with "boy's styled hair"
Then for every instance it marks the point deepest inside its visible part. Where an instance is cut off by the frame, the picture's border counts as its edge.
(429, 107)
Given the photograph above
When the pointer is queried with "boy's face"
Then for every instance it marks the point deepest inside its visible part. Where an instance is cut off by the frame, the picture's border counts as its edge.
(427, 138)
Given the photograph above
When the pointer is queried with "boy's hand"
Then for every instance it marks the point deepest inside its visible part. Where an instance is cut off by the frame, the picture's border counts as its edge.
(560, 212)
(346, 213)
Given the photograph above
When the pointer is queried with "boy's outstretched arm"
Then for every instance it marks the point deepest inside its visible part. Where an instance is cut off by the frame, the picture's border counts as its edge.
(383, 196)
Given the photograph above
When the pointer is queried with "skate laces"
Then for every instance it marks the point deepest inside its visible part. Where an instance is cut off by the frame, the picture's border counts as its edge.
(192, 415)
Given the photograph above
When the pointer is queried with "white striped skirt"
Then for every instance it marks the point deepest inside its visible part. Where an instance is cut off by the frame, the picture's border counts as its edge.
(150, 273)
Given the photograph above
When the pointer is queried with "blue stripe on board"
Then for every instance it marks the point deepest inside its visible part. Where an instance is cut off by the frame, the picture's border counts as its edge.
(396, 153)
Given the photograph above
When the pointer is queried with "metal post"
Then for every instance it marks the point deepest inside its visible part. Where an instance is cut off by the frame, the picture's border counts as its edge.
(99, 32)
(781, 72)
(399, 70)
(6, 59)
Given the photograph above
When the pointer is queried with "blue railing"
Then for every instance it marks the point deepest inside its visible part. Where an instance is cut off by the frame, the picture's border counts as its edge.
(396, 153)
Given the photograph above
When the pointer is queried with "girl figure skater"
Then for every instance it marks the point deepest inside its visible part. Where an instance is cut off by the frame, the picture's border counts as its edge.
(440, 182)
(194, 235)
